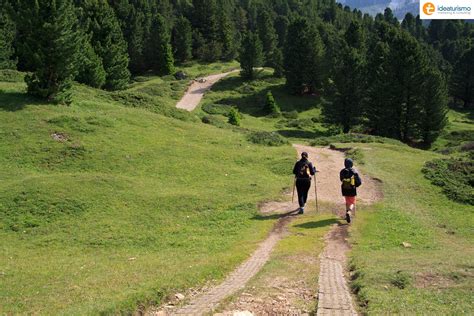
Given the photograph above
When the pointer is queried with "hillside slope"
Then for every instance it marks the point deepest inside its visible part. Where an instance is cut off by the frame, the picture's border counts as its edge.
(104, 206)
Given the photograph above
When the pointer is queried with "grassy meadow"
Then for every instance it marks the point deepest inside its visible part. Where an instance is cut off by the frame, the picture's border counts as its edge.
(104, 207)
(434, 275)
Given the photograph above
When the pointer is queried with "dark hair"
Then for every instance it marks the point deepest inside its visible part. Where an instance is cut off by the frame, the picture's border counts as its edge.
(304, 154)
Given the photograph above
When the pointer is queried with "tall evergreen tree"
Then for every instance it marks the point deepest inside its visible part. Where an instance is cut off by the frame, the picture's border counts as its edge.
(226, 33)
(434, 114)
(182, 39)
(281, 27)
(346, 90)
(303, 57)
(278, 64)
(160, 55)
(54, 46)
(462, 83)
(267, 35)
(91, 69)
(355, 37)
(251, 55)
(7, 36)
(108, 42)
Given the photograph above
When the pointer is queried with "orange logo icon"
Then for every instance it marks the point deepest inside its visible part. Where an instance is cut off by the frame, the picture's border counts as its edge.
(428, 8)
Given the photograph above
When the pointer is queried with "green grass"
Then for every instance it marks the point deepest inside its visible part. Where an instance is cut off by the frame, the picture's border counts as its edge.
(300, 119)
(458, 132)
(129, 207)
(436, 273)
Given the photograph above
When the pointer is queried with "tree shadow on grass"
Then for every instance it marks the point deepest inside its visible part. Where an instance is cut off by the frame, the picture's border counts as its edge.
(16, 101)
(251, 102)
(298, 133)
(318, 224)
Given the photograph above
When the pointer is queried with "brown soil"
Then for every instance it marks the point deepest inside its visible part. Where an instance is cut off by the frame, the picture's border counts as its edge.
(196, 91)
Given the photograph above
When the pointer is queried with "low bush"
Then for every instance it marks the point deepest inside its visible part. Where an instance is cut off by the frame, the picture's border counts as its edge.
(353, 138)
(300, 123)
(401, 279)
(455, 176)
(213, 108)
(9, 75)
(145, 101)
(290, 115)
(267, 138)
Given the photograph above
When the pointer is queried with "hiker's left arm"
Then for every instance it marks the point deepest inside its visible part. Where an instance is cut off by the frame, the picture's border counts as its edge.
(312, 169)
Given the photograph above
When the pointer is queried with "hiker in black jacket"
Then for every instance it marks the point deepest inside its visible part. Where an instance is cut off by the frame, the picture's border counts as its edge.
(350, 181)
(303, 170)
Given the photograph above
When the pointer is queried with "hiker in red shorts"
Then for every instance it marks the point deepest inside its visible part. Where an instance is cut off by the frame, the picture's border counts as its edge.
(350, 182)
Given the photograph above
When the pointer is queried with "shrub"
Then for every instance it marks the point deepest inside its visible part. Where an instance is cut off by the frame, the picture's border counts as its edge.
(212, 108)
(9, 75)
(290, 115)
(271, 107)
(267, 138)
(234, 117)
(455, 176)
(401, 279)
(352, 138)
(300, 123)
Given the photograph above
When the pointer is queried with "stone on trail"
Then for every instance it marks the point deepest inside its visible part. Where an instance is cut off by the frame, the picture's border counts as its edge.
(406, 244)
(179, 296)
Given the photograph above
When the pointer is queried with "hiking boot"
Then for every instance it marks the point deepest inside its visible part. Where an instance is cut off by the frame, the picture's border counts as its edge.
(348, 216)
(301, 211)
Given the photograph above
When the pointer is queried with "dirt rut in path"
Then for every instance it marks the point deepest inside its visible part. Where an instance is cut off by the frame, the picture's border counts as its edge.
(196, 91)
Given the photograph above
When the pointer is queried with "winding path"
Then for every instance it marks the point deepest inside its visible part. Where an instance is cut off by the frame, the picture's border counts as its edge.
(196, 90)
(333, 294)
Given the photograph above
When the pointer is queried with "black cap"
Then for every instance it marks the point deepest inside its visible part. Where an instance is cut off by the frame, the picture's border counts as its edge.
(304, 154)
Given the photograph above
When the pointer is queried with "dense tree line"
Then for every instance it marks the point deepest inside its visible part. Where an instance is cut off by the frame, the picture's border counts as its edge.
(374, 74)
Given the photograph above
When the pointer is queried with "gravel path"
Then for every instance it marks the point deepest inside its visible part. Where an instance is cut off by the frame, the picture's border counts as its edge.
(196, 91)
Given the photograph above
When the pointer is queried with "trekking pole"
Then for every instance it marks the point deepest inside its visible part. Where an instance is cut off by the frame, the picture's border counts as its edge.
(316, 193)
(293, 196)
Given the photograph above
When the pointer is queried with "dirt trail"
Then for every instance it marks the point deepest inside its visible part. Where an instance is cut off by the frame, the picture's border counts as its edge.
(333, 294)
(196, 91)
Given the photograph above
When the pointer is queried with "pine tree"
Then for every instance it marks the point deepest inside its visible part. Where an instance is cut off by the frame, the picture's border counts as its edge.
(281, 28)
(354, 36)
(182, 39)
(160, 54)
(54, 48)
(380, 112)
(462, 82)
(271, 107)
(434, 98)
(303, 57)
(234, 117)
(135, 36)
(251, 55)
(267, 36)
(226, 31)
(7, 35)
(91, 69)
(346, 91)
(108, 42)
(278, 67)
